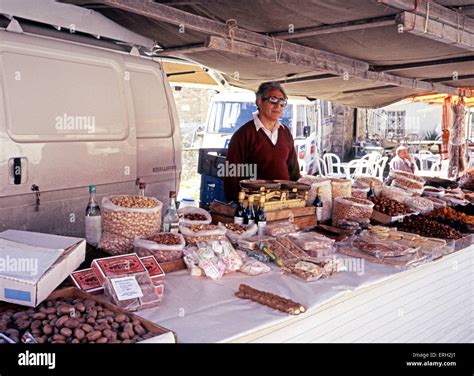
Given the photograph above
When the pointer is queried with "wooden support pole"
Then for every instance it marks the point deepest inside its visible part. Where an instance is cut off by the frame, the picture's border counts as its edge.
(437, 31)
(267, 54)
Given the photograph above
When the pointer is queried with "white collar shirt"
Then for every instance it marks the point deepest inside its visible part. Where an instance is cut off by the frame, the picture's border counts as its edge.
(272, 135)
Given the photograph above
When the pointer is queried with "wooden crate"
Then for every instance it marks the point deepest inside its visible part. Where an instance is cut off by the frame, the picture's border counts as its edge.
(302, 221)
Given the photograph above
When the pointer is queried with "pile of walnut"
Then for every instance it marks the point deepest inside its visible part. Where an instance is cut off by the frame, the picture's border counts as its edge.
(390, 207)
(270, 300)
(134, 202)
(68, 320)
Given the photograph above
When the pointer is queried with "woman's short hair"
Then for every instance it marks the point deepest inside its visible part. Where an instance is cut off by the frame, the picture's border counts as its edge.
(399, 149)
(269, 85)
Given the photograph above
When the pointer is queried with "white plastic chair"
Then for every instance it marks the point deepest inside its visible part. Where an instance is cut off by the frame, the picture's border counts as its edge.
(379, 168)
(359, 167)
(333, 165)
(321, 168)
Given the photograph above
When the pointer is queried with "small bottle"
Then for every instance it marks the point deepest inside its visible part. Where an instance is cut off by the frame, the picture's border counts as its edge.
(171, 219)
(371, 193)
(318, 203)
(249, 217)
(93, 219)
(141, 189)
(261, 218)
(240, 211)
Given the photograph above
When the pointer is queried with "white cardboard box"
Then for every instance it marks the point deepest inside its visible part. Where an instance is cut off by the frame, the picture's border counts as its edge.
(24, 292)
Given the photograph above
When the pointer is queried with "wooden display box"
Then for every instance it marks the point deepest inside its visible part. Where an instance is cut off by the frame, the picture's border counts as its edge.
(162, 334)
(303, 217)
(385, 219)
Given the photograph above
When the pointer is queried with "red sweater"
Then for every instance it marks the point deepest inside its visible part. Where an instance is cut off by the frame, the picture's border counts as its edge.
(273, 161)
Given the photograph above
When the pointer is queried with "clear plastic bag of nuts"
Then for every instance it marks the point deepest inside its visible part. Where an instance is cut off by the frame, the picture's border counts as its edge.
(194, 216)
(165, 246)
(351, 208)
(125, 217)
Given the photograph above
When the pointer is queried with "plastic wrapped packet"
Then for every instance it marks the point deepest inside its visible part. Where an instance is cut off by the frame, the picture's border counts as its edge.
(196, 233)
(254, 267)
(208, 261)
(194, 216)
(351, 208)
(429, 191)
(315, 245)
(227, 254)
(419, 204)
(165, 246)
(236, 232)
(341, 188)
(191, 261)
(128, 217)
(132, 292)
(312, 269)
(280, 229)
(325, 193)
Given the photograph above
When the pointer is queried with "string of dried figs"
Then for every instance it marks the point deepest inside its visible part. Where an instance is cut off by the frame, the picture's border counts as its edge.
(270, 300)
(69, 320)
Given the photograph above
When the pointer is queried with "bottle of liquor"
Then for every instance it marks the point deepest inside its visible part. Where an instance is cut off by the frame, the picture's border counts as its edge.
(318, 203)
(171, 220)
(93, 219)
(141, 189)
(261, 218)
(249, 217)
(240, 211)
(371, 192)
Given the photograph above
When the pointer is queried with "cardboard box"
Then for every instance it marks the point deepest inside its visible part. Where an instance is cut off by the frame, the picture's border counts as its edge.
(87, 280)
(154, 269)
(25, 292)
(115, 266)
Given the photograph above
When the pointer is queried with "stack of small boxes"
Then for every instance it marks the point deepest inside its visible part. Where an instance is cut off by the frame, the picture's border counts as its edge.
(91, 280)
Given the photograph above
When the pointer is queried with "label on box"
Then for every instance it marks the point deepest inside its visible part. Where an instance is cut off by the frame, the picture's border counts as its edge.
(120, 265)
(127, 288)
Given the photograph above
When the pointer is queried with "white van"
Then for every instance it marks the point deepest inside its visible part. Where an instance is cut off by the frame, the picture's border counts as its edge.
(229, 111)
(72, 115)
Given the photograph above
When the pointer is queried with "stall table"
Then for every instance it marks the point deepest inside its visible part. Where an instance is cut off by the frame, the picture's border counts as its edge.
(431, 303)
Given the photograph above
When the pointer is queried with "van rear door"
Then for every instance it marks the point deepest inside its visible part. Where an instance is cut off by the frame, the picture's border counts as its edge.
(156, 119)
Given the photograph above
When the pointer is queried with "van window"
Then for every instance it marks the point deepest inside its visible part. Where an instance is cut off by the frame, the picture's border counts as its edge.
(58, 98)
(300, 120)
(227, 117)
(152, 115)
